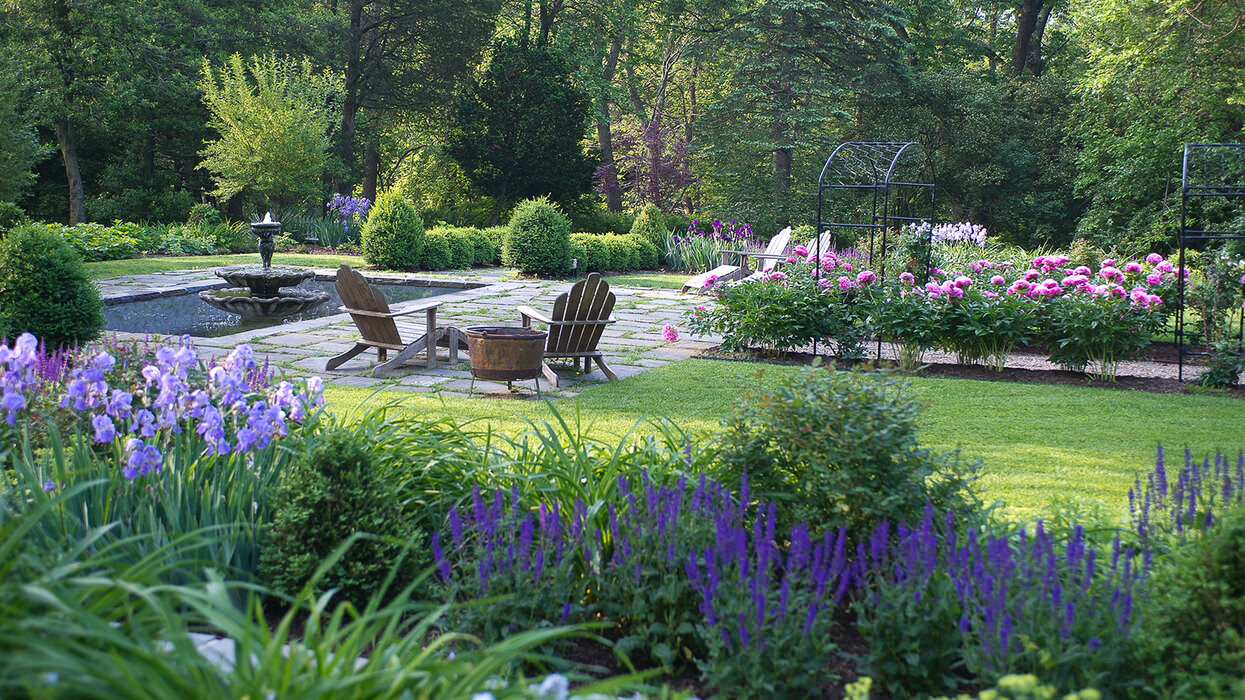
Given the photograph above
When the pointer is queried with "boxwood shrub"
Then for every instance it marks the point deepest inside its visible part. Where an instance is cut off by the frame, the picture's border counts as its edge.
(462, 248)
(333, 492)
(393, 237)
(438, 253)
(613, 252)
(539, 241)
(44, 289)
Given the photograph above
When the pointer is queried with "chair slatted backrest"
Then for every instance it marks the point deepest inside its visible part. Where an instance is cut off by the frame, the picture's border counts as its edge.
(589, 300)
(357, 294)
(777, 246)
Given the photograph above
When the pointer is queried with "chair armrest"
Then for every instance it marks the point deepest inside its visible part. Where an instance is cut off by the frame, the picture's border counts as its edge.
(772, 256)
(527, 313)
(419, 308)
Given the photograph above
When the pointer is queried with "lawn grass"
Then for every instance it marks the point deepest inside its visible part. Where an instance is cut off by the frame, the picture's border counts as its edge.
(1039, 443)
(650, 280)
(141, 266)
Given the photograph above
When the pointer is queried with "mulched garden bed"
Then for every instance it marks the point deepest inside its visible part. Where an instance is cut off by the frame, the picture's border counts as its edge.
(1153, 385)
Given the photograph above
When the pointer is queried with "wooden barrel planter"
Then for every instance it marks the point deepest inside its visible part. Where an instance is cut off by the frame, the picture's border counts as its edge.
(506, 353)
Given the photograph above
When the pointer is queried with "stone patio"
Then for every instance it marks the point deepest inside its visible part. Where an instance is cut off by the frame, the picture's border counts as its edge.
(632, 345)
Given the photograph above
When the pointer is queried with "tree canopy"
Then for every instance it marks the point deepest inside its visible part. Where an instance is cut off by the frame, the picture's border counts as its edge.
(1044, 120)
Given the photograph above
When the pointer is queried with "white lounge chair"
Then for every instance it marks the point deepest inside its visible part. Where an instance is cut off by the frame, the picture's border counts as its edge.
(727, 272)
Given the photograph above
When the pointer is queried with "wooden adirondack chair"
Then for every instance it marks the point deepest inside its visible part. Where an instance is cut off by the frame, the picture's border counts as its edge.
(575, 325)
(727, 272)
(371, 315)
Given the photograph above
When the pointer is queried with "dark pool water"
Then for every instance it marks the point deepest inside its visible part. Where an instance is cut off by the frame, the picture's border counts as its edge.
(186, 314)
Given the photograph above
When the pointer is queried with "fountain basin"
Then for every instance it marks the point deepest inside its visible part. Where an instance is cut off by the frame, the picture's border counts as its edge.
(264, 282)
(248, 304)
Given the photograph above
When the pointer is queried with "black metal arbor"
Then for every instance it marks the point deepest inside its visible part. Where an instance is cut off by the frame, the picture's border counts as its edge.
(871, 187)
(1212, 209)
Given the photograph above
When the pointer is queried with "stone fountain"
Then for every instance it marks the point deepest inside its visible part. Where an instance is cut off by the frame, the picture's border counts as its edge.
(256, 291)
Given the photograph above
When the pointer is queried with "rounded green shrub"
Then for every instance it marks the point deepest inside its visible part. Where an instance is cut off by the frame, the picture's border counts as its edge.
(462, 249)
(487, 250)
(44, 289)
(438, 253)
(393, 237)
(650, 224)
(840, 449)
(334, 491)
(591, 251)
(539, 241)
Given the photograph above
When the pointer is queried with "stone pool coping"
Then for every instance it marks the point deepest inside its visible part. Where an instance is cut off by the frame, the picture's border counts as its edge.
(321, 274)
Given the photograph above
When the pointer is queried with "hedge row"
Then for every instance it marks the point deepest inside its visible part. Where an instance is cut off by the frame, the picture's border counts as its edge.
(613, 252)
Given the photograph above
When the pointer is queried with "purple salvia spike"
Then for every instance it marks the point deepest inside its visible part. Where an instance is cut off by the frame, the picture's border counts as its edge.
(456, 527)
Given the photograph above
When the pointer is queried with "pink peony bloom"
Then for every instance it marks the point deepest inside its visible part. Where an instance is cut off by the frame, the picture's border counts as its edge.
(791, 259)
(845, 283)
(955, 292)
(847, 267)
(670, 333)
(1082, 270)
(1075, 281)
(865, 277)
(990, 295)
(1111, 274)
(1154, 258)
(777, 276)
(1132, 268)
(1154, 279)
(801, 250)
(701, 308)
(1031, 275)
(909, 279)
(998, 280)
(814, 273)
(824, 283)
(937, 272)
(1165, 266)
(963, 282)
(1109, 262)
(710, 281)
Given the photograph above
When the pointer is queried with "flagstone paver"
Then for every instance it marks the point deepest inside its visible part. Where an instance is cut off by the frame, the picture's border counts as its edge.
(632, 346)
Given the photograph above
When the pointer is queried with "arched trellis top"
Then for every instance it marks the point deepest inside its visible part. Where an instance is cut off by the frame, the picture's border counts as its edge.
(865, 176)
(865, 164)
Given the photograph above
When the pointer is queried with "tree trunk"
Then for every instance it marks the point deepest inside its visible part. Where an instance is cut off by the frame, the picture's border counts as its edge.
(371, 169)
(605, 133)
(1036, 62)
(354, 77)
(68, 141)
(784, 103)
(1026, 22)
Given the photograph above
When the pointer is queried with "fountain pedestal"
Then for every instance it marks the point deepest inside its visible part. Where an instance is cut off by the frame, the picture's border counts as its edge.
(256, 290)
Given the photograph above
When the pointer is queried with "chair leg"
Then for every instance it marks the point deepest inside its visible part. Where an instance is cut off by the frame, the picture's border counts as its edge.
(549, 374)
(341, 359)
(406, 355)
(609, 373)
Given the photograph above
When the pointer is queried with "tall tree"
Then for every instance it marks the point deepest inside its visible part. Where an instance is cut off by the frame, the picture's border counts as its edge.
(273, 117)
(78, 61)
(792, 72)
(1160, 73)
(405, 56)
(518, 131)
